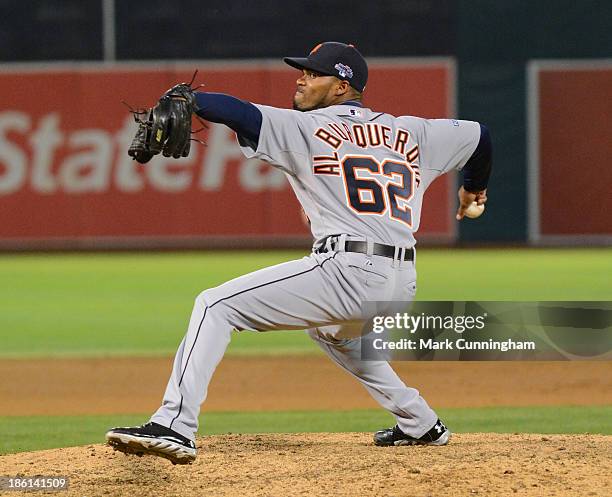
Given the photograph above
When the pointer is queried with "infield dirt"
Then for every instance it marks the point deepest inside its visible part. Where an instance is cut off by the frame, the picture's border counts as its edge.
(136, 385)
(345, 464)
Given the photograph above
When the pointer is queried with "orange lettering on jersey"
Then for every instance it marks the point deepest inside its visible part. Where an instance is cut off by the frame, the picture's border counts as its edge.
(348, 132)
(374, 134)
(326, 169)
(367, 135)
(360, 135)
(413, 154)
(328, 138)
(401, 139)
(326, 164)
(417, 174)
(385, 136)
(340, 132)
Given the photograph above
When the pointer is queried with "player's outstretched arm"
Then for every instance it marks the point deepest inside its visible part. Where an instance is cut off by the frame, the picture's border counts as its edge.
(241, 116)
(476, 173)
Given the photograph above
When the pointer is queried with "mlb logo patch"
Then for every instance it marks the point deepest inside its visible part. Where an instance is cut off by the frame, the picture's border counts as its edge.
(356, 112)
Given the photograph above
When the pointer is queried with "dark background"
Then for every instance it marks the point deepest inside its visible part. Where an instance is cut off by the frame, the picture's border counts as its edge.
(490, 40)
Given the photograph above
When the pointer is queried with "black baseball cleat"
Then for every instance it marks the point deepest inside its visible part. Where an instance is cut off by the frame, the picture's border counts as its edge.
(155, 439)
(438, 435)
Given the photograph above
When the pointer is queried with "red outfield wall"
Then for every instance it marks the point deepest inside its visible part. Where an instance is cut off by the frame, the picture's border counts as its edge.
(66, 179)
(571, 151)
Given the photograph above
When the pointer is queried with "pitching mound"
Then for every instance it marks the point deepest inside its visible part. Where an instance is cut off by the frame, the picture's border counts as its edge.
(338, 464)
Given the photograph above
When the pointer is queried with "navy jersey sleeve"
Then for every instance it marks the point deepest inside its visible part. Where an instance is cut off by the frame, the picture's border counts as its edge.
(241, 116)
(477, 169)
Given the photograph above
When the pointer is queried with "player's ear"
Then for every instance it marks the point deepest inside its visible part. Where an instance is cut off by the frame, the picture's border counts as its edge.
(342, 88)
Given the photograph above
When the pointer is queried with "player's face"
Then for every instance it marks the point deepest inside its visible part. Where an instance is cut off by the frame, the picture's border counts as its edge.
(314, 91)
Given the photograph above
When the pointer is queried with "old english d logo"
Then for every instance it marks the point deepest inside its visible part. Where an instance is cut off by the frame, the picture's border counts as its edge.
(315, 49)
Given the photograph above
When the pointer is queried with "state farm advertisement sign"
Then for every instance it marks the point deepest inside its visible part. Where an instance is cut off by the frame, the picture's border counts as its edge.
(65, 174)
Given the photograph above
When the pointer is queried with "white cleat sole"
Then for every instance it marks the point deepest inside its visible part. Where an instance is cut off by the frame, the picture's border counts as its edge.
(443, 440)
(131, 444)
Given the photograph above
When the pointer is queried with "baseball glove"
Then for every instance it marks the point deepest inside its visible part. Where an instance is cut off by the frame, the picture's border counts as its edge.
(167, 128)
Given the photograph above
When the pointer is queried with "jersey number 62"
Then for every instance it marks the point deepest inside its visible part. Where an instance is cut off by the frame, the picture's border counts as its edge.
(370, 196)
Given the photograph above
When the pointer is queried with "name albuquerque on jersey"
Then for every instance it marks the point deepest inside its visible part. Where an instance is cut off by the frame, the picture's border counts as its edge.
(372, 186)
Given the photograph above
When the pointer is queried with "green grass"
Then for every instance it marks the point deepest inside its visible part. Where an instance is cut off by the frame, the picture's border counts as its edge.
(26, 433)
(139, 304)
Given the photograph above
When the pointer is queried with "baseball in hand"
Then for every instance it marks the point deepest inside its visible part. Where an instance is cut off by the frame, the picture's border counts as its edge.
(474, 210)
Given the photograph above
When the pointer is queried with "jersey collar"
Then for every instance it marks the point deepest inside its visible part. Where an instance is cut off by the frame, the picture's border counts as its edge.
(354, 103)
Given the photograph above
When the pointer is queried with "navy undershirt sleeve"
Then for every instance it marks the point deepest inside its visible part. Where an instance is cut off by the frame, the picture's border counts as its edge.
(477, 169)
(243, 117)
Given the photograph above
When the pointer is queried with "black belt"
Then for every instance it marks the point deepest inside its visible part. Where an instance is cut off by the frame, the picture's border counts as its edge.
(362, 248)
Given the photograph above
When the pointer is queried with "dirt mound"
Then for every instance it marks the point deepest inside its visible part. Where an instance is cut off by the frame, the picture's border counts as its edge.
(338, 464)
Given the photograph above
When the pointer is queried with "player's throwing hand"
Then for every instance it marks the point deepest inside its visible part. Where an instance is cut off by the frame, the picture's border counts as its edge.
(466, 199)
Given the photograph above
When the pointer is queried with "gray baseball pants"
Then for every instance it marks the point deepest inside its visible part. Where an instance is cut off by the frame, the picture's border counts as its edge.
(322, 293)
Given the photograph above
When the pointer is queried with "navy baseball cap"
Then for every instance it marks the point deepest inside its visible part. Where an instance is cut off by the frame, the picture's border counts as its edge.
(335, 59)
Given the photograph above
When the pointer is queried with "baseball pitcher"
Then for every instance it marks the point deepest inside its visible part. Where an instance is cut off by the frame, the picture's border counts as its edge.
(360, 176)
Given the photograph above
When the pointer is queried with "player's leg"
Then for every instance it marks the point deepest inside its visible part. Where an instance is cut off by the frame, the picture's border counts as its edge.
(296, 295)
(413, 414)
(300, 294)
(416, 421)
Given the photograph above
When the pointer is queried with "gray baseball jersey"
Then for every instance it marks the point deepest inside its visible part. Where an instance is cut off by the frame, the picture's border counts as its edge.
(361, 172)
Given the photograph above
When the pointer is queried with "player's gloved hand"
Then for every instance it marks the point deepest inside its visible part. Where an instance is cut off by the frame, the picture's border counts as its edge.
(467, 198)
(167, 129)
(171, 127)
